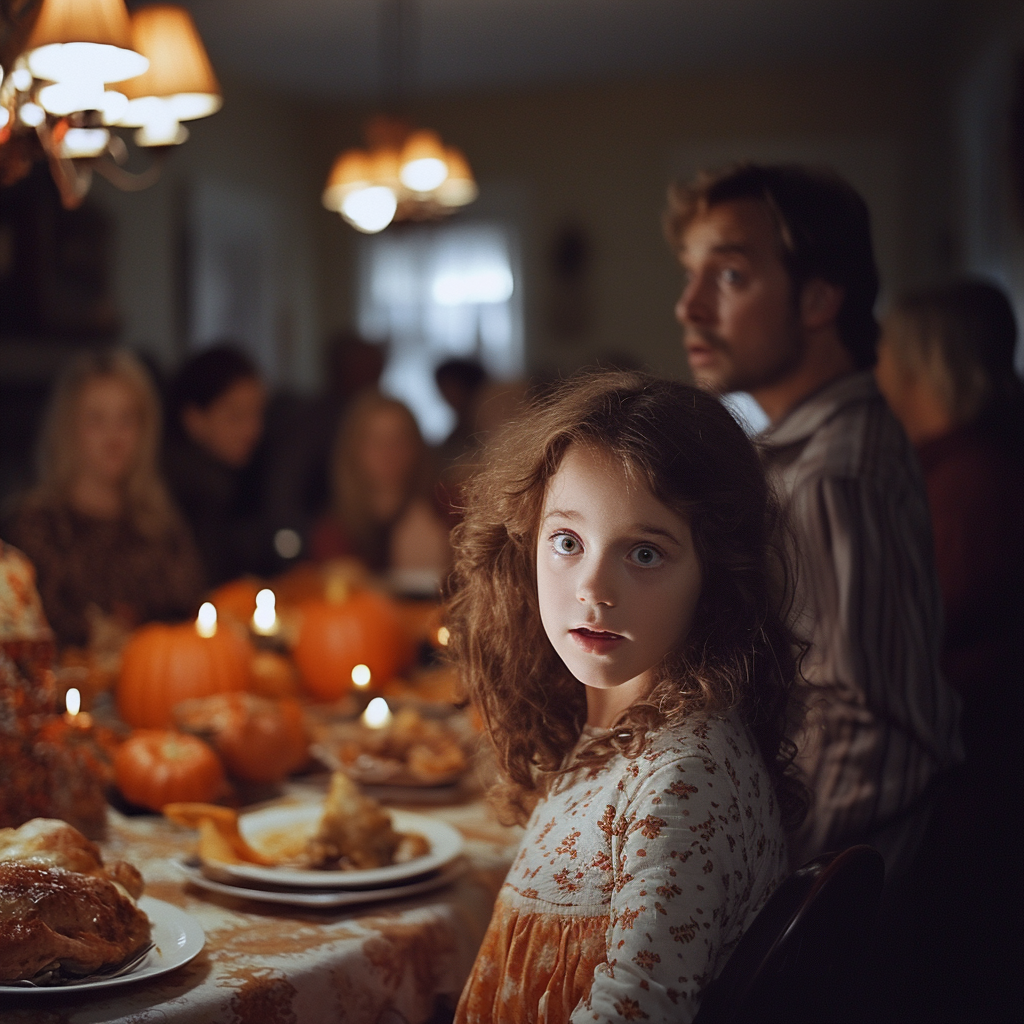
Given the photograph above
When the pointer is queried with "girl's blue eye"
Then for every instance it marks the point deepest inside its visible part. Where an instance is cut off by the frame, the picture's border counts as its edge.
(731, 276)
(566, 544)
(646, 556)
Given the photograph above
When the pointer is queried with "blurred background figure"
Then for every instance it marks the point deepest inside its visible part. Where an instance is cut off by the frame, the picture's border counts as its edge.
(218, 403)
(946, 368)
(460, 382)
(381, 484)
(110, 549)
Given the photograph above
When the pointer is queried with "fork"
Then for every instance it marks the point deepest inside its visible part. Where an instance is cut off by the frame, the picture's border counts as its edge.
(52, 979)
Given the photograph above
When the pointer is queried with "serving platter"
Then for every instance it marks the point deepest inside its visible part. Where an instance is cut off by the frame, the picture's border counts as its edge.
(177, 938)
(301, 820)
(322, 898)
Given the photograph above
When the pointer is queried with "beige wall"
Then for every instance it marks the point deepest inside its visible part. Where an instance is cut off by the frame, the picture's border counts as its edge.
(599, 156)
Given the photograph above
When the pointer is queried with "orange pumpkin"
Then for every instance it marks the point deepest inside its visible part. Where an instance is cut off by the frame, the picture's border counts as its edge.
(163, 665)
(364, 628)
(237, 599)
(154, 767)
(259, 740)
(273, 675)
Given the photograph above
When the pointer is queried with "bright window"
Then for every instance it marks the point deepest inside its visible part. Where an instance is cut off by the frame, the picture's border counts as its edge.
(437, 291)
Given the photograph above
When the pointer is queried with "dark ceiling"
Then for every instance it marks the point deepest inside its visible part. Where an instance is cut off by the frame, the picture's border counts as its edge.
(334, 48)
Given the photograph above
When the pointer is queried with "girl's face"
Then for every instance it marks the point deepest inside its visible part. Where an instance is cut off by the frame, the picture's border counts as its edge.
(617, 576)
(108, 429)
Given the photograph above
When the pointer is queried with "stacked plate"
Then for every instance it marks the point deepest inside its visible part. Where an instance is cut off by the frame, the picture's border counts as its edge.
(440, 865)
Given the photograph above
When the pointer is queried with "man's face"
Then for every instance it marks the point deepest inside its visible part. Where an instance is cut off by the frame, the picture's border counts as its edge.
(741, 328)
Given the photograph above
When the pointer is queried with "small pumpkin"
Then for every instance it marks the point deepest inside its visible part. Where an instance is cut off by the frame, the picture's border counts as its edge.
(273, 675)
(259, 740)
(364, 628)
(154, 767)
(163, 665)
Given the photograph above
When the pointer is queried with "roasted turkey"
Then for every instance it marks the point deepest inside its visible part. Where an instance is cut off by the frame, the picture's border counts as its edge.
(61, 908)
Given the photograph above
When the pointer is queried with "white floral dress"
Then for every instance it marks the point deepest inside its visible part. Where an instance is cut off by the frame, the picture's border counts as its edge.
(634, 882)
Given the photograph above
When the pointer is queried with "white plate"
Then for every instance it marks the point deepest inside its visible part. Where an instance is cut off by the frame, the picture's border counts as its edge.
(177, 938)
(333, 898)
(445, 845)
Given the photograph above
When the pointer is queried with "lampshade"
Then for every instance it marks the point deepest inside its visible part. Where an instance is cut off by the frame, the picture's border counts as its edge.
(351, 170)
(459, 188)
(423, 166)
(83, 39)
(179, 69)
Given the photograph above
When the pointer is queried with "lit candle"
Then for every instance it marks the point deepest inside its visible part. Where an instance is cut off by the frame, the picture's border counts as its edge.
(73, 708)
(377, 714)
(361, 676)
(206, 620)
(443, 636)
(264, 619)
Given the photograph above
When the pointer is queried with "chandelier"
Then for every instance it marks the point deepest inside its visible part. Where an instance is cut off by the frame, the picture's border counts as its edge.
(79, 71)
(405, 174)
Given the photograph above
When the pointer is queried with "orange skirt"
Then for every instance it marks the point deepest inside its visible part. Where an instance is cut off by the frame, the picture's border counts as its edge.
(533, 968)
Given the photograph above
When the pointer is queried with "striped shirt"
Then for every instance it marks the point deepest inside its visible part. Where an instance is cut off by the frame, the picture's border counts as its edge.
(882, 720)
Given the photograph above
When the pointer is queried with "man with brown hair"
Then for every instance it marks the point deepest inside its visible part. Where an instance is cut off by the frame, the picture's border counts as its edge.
(778, 301)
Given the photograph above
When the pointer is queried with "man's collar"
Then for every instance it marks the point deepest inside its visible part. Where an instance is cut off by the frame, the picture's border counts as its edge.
(808, 416)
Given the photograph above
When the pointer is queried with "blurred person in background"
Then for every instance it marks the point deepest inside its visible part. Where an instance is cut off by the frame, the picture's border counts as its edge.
(460, 382)
(945, 365)
(99, 526)
(382, 511)
(218, 404)
(778, 300)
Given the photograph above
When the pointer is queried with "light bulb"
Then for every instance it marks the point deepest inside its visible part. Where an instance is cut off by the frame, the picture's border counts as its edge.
(370, 209)
(424, 175)
(32, 115)
(264, 619)
(72, 95)
(81, 143)
(73, 701)
(361, 675)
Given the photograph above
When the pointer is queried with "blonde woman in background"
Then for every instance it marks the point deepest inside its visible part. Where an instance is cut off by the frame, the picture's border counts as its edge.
(382, 510)
(108, 545)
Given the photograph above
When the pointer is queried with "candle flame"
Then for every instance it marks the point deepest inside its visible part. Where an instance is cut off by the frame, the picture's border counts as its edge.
(377, 713)
(443, 636)
(73, 701)
(206, 620)
(264, 619)
(361, 675)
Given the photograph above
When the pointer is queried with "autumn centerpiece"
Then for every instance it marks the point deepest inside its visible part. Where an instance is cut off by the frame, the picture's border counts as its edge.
(164, 665)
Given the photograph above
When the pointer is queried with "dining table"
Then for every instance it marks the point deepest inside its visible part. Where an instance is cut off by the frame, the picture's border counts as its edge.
(266, 963)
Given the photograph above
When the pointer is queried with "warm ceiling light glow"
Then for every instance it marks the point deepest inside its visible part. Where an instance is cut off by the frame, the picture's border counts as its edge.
(83, 39)
(32, 114)
(423, 162)
(459, 188)
(361, 675)
(370, 209)
(21, 78)
(162, 129)
(206, 620)
(351, 171)
(84, 142)
(71, 95)
(179, 72)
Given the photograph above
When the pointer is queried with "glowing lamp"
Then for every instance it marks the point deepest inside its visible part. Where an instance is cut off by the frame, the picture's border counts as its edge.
(361, 676)
(423, 165)
(351, 171)
(370, 209)
(264, 619)
(459, 188)
(83, 39)
(206, 620)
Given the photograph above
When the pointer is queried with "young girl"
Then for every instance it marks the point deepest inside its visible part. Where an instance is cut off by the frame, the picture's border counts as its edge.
(616, 617)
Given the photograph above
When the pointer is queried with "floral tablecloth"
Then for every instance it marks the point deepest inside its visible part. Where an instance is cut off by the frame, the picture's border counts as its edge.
(266, 964)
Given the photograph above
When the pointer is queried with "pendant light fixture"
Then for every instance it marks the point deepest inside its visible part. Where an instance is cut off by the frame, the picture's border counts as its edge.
(405, 173)
(87, 68)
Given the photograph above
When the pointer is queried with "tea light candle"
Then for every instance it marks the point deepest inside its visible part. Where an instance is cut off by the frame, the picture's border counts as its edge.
(206, 620)
(377, 714)
(264, 619)
(361, 676)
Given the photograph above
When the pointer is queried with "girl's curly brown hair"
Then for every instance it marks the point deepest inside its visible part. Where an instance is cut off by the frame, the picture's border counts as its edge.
(739, 654)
